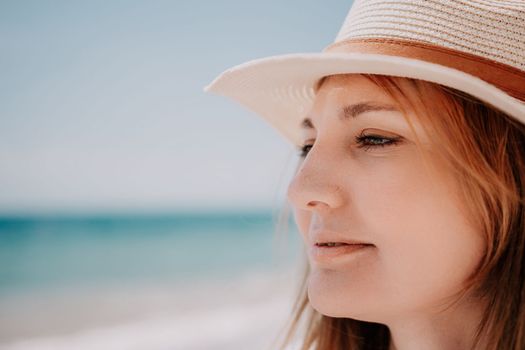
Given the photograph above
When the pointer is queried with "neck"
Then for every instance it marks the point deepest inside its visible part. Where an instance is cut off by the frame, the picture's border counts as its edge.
(453, 329)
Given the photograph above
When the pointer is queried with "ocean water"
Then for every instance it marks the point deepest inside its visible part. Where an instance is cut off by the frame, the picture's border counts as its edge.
(144, 281)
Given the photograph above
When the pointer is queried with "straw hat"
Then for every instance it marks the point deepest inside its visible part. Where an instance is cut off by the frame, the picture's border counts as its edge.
(477, 46)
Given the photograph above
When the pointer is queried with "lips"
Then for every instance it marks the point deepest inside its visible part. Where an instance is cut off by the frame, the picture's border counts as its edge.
(331, 249)
(330, 244)
(332, 239)
(337, 244)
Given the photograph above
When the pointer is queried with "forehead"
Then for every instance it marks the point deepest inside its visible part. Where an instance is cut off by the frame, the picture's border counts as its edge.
(351, 86)
(339, 92)
(347, 96)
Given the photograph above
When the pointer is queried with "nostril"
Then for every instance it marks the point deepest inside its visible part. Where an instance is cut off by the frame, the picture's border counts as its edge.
(315, 192)
(312, 204)
(316, 204)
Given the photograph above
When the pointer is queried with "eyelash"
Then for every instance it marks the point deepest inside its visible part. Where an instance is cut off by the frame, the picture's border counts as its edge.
(360, 139)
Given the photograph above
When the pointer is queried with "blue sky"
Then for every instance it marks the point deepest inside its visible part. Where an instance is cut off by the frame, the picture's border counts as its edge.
(102, 108)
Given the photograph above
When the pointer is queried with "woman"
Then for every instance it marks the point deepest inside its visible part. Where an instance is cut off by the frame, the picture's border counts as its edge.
(410, 193)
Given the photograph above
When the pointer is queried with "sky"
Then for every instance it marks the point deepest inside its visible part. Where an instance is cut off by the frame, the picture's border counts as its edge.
(102, 105)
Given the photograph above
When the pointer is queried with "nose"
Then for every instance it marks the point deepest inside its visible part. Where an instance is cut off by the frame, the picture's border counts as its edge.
(315, 186)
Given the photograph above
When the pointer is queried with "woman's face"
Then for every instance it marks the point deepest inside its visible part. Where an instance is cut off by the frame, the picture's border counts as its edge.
(351, 186)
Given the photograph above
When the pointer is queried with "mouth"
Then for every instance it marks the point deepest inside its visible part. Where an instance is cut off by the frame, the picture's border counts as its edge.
(337, 244)
(332, 252)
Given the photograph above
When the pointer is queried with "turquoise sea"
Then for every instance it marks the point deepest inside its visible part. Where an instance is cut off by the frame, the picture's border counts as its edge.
(49, 261)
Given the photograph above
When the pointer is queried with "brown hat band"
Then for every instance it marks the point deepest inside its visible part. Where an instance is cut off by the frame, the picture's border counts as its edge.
(507, 78)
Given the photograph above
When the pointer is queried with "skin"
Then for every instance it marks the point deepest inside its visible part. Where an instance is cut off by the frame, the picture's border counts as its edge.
(424, 246)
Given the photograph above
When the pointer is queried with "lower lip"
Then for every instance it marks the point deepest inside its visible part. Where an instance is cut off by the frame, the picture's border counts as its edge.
(323, 254)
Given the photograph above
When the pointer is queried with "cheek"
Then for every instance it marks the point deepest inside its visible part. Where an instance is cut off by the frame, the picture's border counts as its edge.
(426, 245)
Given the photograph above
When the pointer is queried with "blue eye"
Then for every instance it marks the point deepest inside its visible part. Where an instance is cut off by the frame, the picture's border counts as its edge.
(364, 141)
(371, 141)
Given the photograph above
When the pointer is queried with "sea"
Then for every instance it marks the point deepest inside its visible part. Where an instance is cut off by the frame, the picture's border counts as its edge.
(188, 281)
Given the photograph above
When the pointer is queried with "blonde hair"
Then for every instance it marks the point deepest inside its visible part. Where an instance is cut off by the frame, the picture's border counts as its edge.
(485, 148)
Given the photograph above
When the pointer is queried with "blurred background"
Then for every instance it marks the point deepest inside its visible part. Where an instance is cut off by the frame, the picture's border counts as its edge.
(137, 211)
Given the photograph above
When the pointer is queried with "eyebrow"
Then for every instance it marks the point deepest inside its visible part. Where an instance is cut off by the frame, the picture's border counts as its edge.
(353, 111)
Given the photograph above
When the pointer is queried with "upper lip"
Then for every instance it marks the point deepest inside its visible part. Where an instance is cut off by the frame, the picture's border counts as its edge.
(333, 237)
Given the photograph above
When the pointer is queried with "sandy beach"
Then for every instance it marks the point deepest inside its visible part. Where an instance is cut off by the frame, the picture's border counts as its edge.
(242, 313)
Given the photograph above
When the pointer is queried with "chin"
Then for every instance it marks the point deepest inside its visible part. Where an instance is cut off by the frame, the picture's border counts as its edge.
(326, 304)
(329, 303)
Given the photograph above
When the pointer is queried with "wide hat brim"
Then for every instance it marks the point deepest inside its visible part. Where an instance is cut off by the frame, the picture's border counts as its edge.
(280, 88)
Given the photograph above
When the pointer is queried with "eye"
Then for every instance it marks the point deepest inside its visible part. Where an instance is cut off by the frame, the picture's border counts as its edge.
(373, 141)
(364, 141)
(303, 150)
